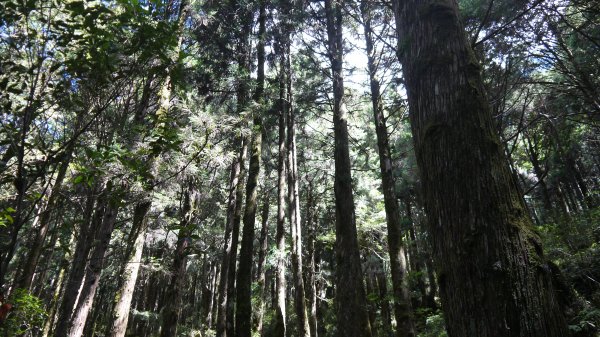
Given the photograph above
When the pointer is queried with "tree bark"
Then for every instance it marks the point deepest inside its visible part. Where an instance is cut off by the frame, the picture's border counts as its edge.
(80, 257)
(280, 283)
(262, 258)
(402, 302)
(303, 329)
(229, 240)
(94, 269)
(352, 317)
(33, 254)
(494, 279)
(243, 314)
(311, 288)
(129, 274)
(171, 309)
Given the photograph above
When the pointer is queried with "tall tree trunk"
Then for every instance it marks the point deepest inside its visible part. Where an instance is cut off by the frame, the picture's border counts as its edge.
(33, 254)
(171, 309)
(493, 277)
(311, 289)
(352, 318)
(80, 257)
(229, 240)
(94, 269)
(303, 329)
(237, 218)
(243, 314)
(402, 303)
(122, 303)
(262, 258)
(280, 283)
(386, 317)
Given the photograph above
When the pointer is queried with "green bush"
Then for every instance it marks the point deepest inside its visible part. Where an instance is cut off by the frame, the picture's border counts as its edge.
(27, 315)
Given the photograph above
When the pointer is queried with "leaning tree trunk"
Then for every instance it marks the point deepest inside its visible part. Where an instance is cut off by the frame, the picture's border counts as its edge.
(402, 302)
(494, 279)
(352, 317)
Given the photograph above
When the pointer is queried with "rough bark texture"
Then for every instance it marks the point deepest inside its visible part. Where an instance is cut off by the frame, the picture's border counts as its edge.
(243, 315)
(262, 258)
(280, 295)
(228, 248)
(493, 277)
(352, 318)
(311, 289)
(402, 304)
(122, 303)
(80, 257)
(237, 219)
(172, 307)
(94, 269)
(303, 329)
(33, 254)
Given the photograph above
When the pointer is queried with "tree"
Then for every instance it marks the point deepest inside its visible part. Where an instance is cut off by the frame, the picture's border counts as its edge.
(493, 276)
(352, 319)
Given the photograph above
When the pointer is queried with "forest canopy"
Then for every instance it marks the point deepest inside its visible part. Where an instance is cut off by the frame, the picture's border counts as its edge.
(343, 168)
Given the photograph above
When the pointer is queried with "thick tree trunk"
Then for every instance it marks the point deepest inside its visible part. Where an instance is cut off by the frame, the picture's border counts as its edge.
(402, 302)
(493, 277)
(129, 274)
(352, 318)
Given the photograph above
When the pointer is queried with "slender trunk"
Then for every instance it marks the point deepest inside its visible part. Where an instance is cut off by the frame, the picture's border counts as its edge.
(33, 254)
(402, 302)
(386, 318)
(372, 301)
(262, 254)
(352, 318)
(129, 274)
(493, 277)
(94, 268)
(243, 315)
(303, 329)
(80, 258)
(311, 289)
(171, 309)
(237, 218)
(280, 283)
(228, 249)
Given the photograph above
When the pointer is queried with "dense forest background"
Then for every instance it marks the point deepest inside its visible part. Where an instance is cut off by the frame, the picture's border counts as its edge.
(251, 168)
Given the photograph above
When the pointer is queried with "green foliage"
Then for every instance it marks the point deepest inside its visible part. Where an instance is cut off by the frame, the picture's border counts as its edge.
(586, 322)
(434, 326)
(27, 315)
